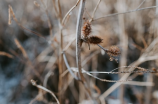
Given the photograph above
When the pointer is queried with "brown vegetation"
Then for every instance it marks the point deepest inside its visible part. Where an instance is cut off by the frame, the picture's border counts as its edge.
(41, 63)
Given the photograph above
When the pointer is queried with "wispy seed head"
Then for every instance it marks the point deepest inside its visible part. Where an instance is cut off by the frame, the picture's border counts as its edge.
(86, 29)
(113, 51)
(94, 40)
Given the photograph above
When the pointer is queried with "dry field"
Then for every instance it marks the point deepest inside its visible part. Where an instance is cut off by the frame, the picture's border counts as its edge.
(78, 51)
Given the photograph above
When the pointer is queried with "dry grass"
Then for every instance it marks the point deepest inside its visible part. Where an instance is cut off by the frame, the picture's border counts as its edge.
(122, 40)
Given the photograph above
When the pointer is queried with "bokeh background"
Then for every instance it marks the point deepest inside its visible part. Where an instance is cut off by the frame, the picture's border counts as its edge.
(131, 32)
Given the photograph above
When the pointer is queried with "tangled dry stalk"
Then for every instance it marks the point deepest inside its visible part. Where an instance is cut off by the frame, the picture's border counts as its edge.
(73, 68)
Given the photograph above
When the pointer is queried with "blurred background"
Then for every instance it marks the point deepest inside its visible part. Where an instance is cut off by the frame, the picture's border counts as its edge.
(38, 57)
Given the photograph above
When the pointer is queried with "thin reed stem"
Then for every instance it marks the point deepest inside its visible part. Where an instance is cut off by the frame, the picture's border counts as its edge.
(68, 67)
(68, 13)
(78, 37)
(114, 14)
(95, 9)
(45, 89)
(78, 47)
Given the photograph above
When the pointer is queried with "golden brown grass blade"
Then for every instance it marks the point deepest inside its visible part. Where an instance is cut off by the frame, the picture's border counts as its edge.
(9, 16)
(36, 4)
(6, 54)
(21, 48)
(15, 19)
